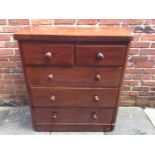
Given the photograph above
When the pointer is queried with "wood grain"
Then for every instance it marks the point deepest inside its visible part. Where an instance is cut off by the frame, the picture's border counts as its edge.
(113, 55)
(73, 115)
(35, 54)
(73, 97)
(73, 76)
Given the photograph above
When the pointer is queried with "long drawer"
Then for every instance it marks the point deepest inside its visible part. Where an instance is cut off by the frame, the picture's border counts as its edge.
(73, 97)
(72, 115)
(74, 76)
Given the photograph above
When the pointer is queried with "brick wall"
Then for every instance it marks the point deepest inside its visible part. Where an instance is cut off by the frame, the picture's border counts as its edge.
(139, 82)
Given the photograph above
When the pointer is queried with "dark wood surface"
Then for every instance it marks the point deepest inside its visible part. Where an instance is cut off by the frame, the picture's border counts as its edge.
(72, 86)
(74, 76)
(88, 55)
(36, 54)
(73, 97)
(73, 115)
(75, 33)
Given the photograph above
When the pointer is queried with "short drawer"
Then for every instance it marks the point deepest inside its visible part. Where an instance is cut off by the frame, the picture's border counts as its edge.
(73, 97)
(100, 55)
(72, 115)
(75, 76)
(48, 54)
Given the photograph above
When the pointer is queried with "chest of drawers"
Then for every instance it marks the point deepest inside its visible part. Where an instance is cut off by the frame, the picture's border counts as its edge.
(73, 75)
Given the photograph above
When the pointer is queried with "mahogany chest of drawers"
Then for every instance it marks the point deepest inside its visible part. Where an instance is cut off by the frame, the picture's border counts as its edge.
(73, 75)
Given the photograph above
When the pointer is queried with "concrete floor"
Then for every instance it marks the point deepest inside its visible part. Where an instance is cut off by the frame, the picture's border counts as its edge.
(130, 121)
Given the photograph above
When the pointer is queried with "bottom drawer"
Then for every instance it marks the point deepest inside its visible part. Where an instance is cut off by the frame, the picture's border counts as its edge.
(72, 116)
(73, 128)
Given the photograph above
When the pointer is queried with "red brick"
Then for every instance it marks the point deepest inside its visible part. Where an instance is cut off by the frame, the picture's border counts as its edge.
(137, 37)
(8, 64)
(153, 45)
(146, 64)
(4, 58)
(128, 76)
(110, 21)
(146, 93)
(2, 21)
(142, 77)
(7, 82)
(64, 21)
(4, 37)
(19, 82)
(87, 21)
(12, 29)
(20, 92)
(4, 52)
(18, 21)
(149, 71)
(138, 58)
(10, 44)
(150, 22)
(133, 21)
(125, 88)
(147, 52)
(4, 70)
(140, 44)
(148, 37)
(14, 58)
(131, 82)
(140, 88)
(152, 57)
(130, 64)
(148, 83)
(3, 91)
(152, 89)
(133, 71)
(42, 21)
(134, 93)
(13, 76)
(133, 51)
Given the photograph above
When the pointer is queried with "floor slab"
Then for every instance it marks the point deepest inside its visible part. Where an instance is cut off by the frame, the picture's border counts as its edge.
(18, 122)
(132, 121)
(4, 111)
(150, 112)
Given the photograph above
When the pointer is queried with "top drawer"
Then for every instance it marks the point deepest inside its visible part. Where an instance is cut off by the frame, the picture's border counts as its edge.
(47, 54)
(100, 55)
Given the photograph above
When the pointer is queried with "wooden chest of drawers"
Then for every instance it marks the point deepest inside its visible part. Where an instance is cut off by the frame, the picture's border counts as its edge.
(73, 75)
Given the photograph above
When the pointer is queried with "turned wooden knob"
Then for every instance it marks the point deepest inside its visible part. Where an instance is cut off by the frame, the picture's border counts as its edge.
(98, 77)
(96, 98)
(50, 76)
(99, 56)
(94, 116)
(48, 55)
(54, 115)
(52, 98)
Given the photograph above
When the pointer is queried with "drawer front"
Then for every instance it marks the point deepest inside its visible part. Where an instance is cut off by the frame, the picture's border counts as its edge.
(47, 54)
(100, 55)
(74, 97)
(76, 76)
(73, 115)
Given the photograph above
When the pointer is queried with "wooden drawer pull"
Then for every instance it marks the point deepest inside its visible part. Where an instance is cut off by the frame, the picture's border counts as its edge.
(54, 115)
(48, 55)
(53, 98)
(96, 98)
(50, 76)
(97, 77)
(99, 56)
(94, 116)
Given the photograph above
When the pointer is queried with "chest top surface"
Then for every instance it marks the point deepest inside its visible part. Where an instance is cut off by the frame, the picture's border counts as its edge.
(37, 33)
